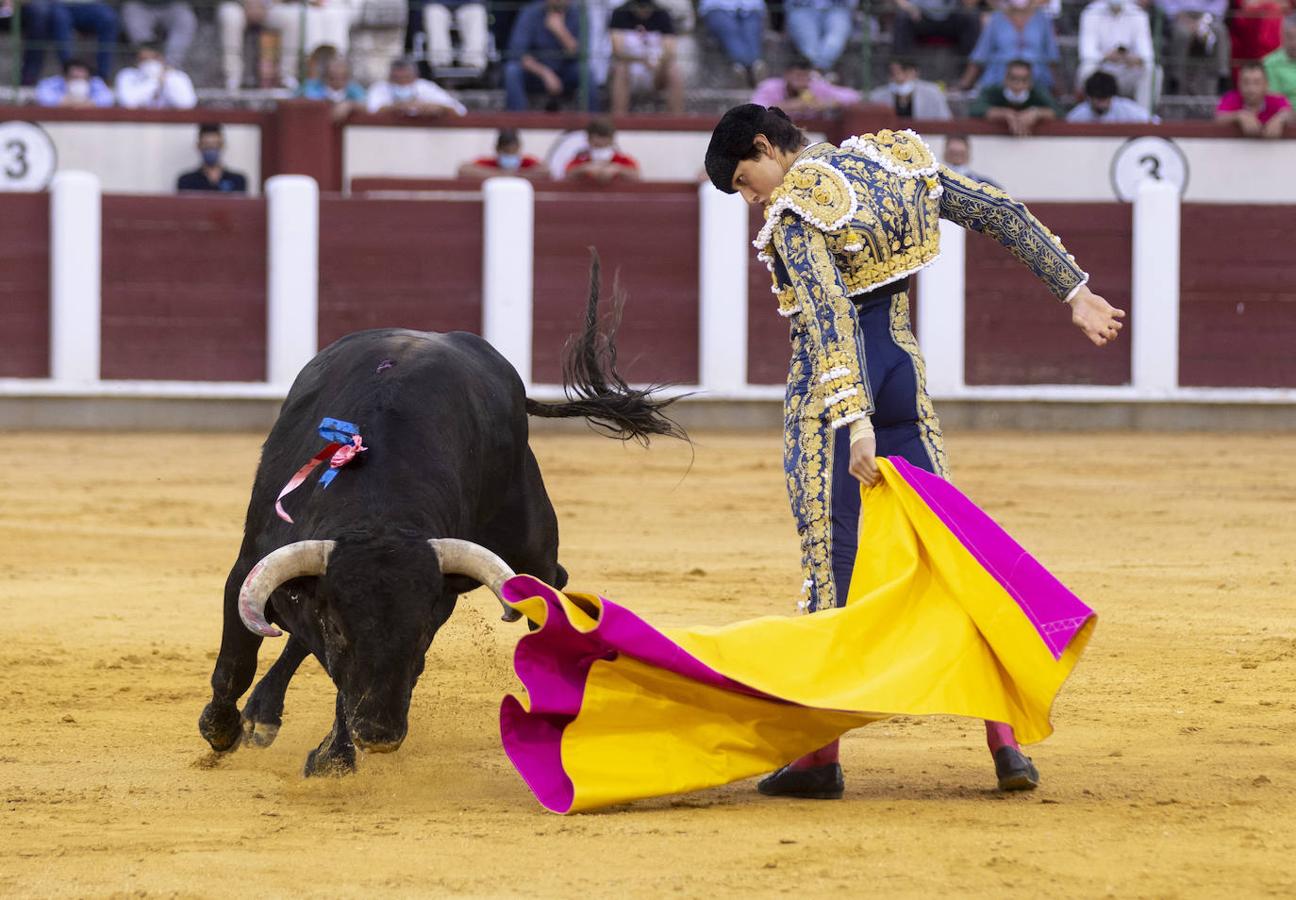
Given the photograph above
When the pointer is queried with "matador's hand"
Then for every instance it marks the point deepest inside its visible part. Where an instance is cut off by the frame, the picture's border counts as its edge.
(1098, 319)
(863, 460)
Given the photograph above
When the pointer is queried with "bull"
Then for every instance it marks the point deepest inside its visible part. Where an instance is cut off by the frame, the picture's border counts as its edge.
(446, 497)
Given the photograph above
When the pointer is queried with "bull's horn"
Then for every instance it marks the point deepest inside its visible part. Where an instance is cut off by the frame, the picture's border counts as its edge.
(290, 561)
(458, 557)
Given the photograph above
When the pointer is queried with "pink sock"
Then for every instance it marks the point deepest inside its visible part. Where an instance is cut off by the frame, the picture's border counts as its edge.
(824, 756)
(1000, 734)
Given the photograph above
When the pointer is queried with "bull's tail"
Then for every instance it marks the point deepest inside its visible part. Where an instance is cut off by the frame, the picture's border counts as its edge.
(595, 389)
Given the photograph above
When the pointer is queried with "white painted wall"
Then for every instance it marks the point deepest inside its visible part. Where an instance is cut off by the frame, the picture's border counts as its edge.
(146, 158)
(1033, 169)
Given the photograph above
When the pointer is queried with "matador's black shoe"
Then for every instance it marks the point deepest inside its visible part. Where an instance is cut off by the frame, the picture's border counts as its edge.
(818, 783)
(1015, 770)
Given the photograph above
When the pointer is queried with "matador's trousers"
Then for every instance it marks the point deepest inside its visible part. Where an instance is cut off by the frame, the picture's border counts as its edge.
(825, 497)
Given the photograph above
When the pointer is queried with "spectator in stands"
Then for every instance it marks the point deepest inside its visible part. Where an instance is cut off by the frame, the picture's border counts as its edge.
(508, 160)
(1255, 111)
(470, 20)
(1197, 30)
(325, 21)
(337, 87)
(211, 175)
(954, 20)
(405, 93)
(1280, 66)
(958, 156)
(152, 84)
(803, 91)
(739, 27)
(908, 95)
(47, 22)
(1021, 29)
(1115, 37)
(819, 29)
(1019, 103)
(643, 56)
(76, 88)
(1103, 106)
(142, 18)
(1255, 28)
(601, 163)
(544, 55)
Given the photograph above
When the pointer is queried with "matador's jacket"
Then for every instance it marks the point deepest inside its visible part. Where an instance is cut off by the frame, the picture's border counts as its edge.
(842, 235)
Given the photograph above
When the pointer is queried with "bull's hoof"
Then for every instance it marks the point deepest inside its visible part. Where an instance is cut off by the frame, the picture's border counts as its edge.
(221, 727)
(330, 762)
(259, 734)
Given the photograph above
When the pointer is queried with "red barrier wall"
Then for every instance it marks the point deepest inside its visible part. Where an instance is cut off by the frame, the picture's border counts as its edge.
(400, 264)
(184, 286)
(1237, 315)
(768, 350)
(24, 286)
(1019, 333)
(652, 238)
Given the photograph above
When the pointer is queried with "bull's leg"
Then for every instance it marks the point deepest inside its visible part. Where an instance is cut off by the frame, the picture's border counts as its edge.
(336, 754)
(263, 713)
(219, 723)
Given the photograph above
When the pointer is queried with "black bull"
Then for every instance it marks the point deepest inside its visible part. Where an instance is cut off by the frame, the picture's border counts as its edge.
(363, 578)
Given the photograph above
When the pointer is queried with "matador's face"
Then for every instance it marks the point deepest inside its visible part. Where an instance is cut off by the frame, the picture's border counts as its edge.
(757, 178)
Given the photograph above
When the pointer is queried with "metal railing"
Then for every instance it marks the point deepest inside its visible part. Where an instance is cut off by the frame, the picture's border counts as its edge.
(15, 18)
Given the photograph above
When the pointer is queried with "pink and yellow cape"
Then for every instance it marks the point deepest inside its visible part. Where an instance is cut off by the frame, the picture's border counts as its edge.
(946, 614)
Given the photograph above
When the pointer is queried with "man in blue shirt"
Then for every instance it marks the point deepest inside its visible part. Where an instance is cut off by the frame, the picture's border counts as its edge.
(544, 54)
(76, 87)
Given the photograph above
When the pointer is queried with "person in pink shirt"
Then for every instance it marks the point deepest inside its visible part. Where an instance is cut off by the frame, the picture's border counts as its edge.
(1255, 111)
(800, 90)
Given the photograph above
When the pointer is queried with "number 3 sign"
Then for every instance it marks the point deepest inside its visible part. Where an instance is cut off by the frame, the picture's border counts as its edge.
(1147, 157)
(27, 157)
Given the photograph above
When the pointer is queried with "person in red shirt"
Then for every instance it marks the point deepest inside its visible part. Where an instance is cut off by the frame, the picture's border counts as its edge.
(1255, 111)
(601, 162)
(508, 160)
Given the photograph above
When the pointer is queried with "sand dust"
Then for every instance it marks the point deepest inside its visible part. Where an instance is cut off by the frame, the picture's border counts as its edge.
(1172, 773)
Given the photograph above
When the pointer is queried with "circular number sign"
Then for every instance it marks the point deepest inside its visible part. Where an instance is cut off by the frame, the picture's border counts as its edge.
(27, 157)
(1156, 158)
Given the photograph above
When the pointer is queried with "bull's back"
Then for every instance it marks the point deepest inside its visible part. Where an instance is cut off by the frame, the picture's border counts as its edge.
(432, 408)
(363, 359)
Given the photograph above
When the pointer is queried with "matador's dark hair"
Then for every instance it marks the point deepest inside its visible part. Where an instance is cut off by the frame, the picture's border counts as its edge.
(734, 139)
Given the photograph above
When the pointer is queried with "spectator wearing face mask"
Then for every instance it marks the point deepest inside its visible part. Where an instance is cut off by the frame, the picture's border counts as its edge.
(909, 96)
(803, 91)
(1103, 106)
(404, 92)
(1115, 37)
(601, 163)
(75, 88)
(336, 87)
(1019, 30)
(211, 175)
(958, 158)
(152, 84)
(508, 160)
(1255, 111)
(1019, 103)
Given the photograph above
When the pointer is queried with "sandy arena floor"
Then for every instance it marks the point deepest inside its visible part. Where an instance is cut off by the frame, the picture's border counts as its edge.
(1172, 773)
